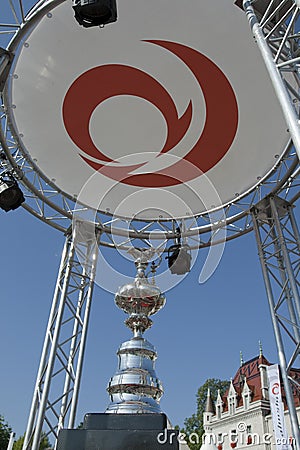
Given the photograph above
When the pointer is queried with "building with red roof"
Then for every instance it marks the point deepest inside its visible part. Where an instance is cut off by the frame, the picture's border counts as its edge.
(242, 417)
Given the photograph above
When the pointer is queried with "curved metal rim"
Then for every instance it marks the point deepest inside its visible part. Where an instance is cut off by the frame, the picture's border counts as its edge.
(63, 204)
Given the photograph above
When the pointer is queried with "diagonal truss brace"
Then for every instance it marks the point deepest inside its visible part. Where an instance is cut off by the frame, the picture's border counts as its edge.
(278, 244)
(56, 391)
(275, 28)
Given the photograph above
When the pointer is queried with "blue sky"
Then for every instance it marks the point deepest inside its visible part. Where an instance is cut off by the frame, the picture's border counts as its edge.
(198, 335)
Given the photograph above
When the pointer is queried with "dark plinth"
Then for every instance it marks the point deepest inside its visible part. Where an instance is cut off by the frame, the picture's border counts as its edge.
(120, 432)
(102, 421)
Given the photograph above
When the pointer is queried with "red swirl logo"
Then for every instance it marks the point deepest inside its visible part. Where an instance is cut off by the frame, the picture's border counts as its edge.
(275, 388)
(103, 82)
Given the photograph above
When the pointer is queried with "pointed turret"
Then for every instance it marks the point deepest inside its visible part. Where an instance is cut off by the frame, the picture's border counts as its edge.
(209, 407)
(207, 441)
(208, 412)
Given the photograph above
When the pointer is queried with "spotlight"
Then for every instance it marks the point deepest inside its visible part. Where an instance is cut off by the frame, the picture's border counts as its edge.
(179, 256)
(95, 13)
(11, 196)
(179, 259)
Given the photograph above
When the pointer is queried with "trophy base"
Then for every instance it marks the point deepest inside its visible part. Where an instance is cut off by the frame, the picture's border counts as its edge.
(103, 431)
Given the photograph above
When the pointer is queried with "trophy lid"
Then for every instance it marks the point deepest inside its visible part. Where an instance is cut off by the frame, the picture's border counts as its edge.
(140, 298)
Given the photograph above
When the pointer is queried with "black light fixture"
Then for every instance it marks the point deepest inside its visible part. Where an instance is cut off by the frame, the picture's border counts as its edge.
(11, 196)
(179, 257)
(95, 13)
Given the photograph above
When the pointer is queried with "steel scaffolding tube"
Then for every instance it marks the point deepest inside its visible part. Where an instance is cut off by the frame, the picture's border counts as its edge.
(279, 253)
(65, 339)
(278, 41)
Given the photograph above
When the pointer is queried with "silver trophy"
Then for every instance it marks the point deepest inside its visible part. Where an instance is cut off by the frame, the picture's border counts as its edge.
(135, 387)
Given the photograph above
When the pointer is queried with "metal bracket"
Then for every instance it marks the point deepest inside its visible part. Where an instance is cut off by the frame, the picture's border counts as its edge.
(261, 6)
(263, 208)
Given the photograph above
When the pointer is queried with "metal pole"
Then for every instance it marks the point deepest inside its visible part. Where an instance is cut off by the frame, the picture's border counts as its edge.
(285, 254)
(286, 289)
(83, 339)
(46, 346)
(84, 298)
(4, 61)
(297, 2)
(57, 387)
(64, 403)
(277, 333)
(11, 441)
(294, 225)
(278, 83)
(51, 359)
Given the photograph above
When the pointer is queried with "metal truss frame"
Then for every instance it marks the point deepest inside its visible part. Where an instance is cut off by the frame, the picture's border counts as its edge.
(278, 242)
(275, 28)
(56, 390)
(46, 202)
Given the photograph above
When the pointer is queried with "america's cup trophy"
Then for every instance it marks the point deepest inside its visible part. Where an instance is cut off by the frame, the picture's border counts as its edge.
(133, 419)
(135, 387)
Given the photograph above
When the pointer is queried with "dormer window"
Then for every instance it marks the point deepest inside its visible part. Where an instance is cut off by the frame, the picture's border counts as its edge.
(231, 399)
(207, 417)
(231, 405)
(246, 396)
(246, 401)
(219, 405)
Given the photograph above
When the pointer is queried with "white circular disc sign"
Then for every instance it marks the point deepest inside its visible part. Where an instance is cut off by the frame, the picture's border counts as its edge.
(166, 113)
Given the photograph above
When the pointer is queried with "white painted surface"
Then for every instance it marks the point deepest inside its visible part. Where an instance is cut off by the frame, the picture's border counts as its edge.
(131, 129)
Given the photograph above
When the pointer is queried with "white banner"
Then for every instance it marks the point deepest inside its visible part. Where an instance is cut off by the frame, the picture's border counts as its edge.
(280, 431)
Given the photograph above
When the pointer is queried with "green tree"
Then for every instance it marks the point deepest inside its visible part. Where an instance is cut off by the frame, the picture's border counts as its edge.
(194, 424)
(18, 443)
(5, 431)
(44, 445)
